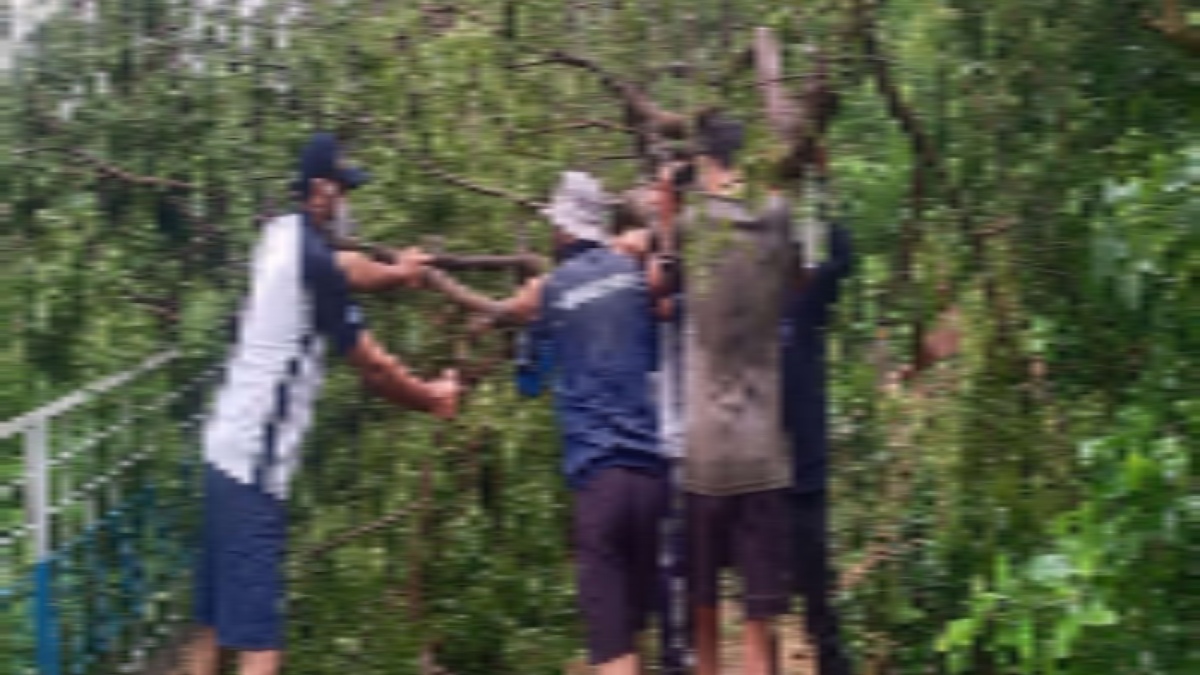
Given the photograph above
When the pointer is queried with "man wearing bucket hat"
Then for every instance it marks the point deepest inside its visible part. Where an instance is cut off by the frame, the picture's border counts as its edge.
(595, 311)
(298, 307)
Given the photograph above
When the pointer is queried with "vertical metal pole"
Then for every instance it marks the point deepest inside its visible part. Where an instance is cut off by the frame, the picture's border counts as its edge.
(37, 508)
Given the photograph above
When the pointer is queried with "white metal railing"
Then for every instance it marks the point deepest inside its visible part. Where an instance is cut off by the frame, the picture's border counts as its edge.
(105, 492)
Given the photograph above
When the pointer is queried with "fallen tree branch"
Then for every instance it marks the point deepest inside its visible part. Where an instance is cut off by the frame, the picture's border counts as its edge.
(463, 295)
(1172, 24)
(428, 166)
(528, 263)
(328, 546)
(113, 171)
(166, 309)
(524, 262)
(581, 124)
(641, 111)
(923, 150)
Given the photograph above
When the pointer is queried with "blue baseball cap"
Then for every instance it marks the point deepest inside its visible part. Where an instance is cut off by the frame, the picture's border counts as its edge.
(322, 158)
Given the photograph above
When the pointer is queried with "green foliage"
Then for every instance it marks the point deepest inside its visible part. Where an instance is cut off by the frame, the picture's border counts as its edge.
(1040, 523)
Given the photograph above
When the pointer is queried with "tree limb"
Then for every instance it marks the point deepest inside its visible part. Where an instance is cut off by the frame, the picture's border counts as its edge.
(1172, 24)
(525, 262)
(463, 295)
(798, 124)
(113, 171)
(922, 146)
(429, 167)
(528, 263)
(581, 124)
(782, 112)
(642, 111)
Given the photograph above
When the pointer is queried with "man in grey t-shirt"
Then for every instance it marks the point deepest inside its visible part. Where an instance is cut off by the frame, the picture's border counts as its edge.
(738, 266)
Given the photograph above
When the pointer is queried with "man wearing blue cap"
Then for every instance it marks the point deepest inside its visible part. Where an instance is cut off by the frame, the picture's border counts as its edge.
(298, 306)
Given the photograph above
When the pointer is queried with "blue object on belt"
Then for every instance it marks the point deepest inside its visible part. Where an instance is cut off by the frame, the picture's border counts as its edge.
(534, 362)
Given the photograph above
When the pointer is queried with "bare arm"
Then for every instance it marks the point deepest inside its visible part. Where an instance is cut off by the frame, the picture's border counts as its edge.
(364, 274)
(385, 375)
(519, 308)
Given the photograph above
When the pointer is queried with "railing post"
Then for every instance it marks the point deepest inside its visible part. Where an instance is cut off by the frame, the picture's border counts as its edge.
(37, 508)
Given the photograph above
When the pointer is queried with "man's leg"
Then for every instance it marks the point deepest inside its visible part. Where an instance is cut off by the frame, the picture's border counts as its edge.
(202, 653)
(707, 619)
(248, 548)
(763, 555)
(629, 664)
(604, 511)
(759, 647)
(265, 662)
(651, 500)
(814, 582)
(708, 549)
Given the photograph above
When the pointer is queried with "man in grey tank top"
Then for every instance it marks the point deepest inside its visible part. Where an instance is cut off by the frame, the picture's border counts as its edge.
(737, 470)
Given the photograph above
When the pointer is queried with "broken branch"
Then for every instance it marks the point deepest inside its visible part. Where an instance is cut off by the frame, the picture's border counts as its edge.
(112, 170)
(434, 170)
(1172, 24)
(642, 110)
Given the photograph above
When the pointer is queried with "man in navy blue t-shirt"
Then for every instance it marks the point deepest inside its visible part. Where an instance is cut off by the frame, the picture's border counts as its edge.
(596, 311)
(805, 416)
(297, 309)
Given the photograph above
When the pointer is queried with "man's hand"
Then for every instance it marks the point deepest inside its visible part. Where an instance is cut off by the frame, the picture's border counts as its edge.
(410, 266)
(370, 275)
(445, 393)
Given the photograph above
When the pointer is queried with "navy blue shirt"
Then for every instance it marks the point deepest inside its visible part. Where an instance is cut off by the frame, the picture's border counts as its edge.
(335, 314)
(597, 314)
(804, 382)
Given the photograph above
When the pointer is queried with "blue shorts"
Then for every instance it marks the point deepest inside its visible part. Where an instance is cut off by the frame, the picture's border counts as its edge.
(240, 575)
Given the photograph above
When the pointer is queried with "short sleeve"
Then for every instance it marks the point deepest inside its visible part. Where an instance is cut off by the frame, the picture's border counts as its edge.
(335, 315)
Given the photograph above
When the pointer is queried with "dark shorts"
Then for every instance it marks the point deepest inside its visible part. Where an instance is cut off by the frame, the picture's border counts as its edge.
(239, 578)
(615, 534)
(752, 533)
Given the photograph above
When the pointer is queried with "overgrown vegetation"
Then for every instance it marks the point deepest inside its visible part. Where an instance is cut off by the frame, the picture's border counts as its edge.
(1020, 178)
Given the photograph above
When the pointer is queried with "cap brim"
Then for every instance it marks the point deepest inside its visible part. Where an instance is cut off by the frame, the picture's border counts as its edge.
(353, 178)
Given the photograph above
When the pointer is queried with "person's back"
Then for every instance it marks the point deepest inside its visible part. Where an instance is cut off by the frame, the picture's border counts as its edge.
(597, 311)
(808, 313)
(738, 468)
(738, 270)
